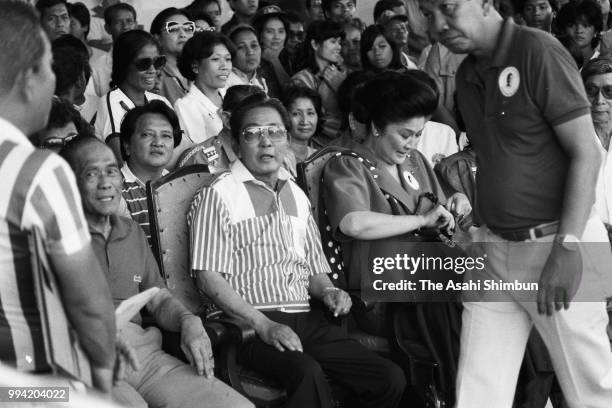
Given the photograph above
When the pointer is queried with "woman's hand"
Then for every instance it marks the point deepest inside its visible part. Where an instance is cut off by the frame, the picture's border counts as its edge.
(439, 217)
(334, 76)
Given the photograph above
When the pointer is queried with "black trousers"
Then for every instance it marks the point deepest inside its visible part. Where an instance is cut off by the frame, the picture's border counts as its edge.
(328, 353)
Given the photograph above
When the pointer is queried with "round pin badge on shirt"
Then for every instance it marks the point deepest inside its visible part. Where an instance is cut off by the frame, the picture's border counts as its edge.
(509, 81)
(412, 182)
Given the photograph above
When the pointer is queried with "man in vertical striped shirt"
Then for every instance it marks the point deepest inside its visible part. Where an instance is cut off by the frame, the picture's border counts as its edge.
(39, 192)
(256, 252)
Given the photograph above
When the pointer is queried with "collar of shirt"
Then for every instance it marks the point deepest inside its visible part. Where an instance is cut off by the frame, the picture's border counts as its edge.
(120, 229)
(201, 96)
(11, 132)
(243, 175)
(502, 52)
(130, 177)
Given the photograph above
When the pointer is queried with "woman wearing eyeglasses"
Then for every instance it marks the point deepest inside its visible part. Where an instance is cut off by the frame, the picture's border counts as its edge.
(172, 28)
(207, 61)
(136, 63)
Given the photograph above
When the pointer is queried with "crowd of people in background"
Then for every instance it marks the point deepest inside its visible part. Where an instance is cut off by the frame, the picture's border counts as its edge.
(498, 114)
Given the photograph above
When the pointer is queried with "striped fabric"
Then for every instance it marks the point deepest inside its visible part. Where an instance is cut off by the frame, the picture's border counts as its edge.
(264, 242)
(38, 191)
(135, 194)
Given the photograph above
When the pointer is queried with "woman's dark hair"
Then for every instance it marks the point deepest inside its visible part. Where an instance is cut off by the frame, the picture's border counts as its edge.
(394, 97)
(346, 95)
(253, 102)
(572, 12)
(368, 37)
(80, 12)
(295, 92)
(196, 15)
(125, 50)
(237, 93)
(159, 22)
(261, 22)
(198, 47)
(319, 31)
(130, 121)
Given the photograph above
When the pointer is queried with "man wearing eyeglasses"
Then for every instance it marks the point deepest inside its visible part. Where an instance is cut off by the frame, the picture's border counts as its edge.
(528, 118)
(256, 251)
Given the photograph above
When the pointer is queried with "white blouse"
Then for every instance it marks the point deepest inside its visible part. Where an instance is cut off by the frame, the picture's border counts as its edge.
(113, 107)
(199, 116)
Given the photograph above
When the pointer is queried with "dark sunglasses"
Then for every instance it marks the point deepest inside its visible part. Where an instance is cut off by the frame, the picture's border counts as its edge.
(143, 64)
(592, 91)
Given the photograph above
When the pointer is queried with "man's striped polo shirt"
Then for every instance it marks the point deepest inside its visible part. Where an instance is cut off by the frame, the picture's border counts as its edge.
(135, 195)
(38, 191)
(264, 242)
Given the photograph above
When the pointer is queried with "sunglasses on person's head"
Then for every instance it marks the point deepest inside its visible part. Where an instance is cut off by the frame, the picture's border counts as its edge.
(253, 134)
(143, 64)
(173, 27)
(57, 142)
(592, 91)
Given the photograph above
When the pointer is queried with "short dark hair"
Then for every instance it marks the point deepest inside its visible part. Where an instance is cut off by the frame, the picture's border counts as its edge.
(159, 22)
(571, 12)
(125, 50)
(319, 31)
(384, 5)
(71, 151)
(61, 114)
(293, 17)
(253, 102)
(392, 97)
(69, 64)
(198, 47)
(327, 4)
(237, 93)
(197, 6)
(294, 92)
(23, 42)
(130, 121)
(109, 12)
(519, 5)
(43, 5)
(368, 37)
(80, 12)
(200, 15)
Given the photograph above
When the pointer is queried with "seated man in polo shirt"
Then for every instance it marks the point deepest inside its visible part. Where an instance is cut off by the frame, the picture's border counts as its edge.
(256, 252)
(122, 250)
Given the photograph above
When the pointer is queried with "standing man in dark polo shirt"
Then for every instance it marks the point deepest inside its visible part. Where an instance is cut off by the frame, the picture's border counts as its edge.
(527, 116)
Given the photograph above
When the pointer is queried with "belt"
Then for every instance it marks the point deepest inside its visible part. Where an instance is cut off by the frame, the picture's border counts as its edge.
(530, 233)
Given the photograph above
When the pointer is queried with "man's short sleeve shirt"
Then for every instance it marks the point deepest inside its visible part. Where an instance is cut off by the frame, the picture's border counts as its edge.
(510, 107)
(265, 242)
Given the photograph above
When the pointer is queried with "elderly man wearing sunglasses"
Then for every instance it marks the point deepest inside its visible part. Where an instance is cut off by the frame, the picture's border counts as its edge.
(172, 28)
